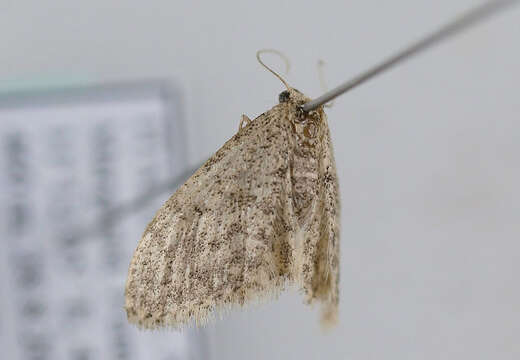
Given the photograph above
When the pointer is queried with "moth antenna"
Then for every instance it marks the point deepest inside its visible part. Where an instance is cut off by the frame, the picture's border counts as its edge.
(284, 58)
(323, 83)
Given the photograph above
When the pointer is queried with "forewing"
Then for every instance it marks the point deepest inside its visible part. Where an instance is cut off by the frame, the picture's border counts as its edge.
(212, 243)
(326, 282)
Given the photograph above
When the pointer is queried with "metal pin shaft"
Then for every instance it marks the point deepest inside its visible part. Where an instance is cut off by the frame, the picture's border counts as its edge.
(461, 23)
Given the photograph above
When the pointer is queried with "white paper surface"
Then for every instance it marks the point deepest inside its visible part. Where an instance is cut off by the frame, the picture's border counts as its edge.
(63, 164)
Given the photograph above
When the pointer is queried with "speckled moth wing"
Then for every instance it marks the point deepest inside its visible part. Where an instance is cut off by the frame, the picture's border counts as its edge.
(326, 280)
(252, 218)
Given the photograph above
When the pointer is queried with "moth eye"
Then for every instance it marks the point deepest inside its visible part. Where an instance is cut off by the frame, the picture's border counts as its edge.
(284, 96)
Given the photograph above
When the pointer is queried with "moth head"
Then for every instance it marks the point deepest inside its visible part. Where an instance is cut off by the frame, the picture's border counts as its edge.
(307, 126)
(292, 95)
(296, 99)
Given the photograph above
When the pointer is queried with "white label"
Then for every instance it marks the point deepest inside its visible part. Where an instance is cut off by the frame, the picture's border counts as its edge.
(62, 165)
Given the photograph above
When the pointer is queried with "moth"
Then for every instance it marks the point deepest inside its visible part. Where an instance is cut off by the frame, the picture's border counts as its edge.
(260, 215)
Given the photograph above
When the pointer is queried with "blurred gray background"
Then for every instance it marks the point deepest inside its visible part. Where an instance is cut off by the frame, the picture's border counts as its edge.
(427, 154)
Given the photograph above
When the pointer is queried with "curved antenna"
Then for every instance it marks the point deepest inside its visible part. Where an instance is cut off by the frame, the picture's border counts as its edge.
(323, 83)
(285, 59)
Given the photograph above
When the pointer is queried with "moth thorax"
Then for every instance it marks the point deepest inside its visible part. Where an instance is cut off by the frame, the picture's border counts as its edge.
(307, 128)
(305, 159)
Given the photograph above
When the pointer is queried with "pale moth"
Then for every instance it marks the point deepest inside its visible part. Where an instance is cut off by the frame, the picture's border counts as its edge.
(260, 215)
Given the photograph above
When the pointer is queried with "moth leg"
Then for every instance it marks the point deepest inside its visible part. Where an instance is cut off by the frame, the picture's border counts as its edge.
(244, 121)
